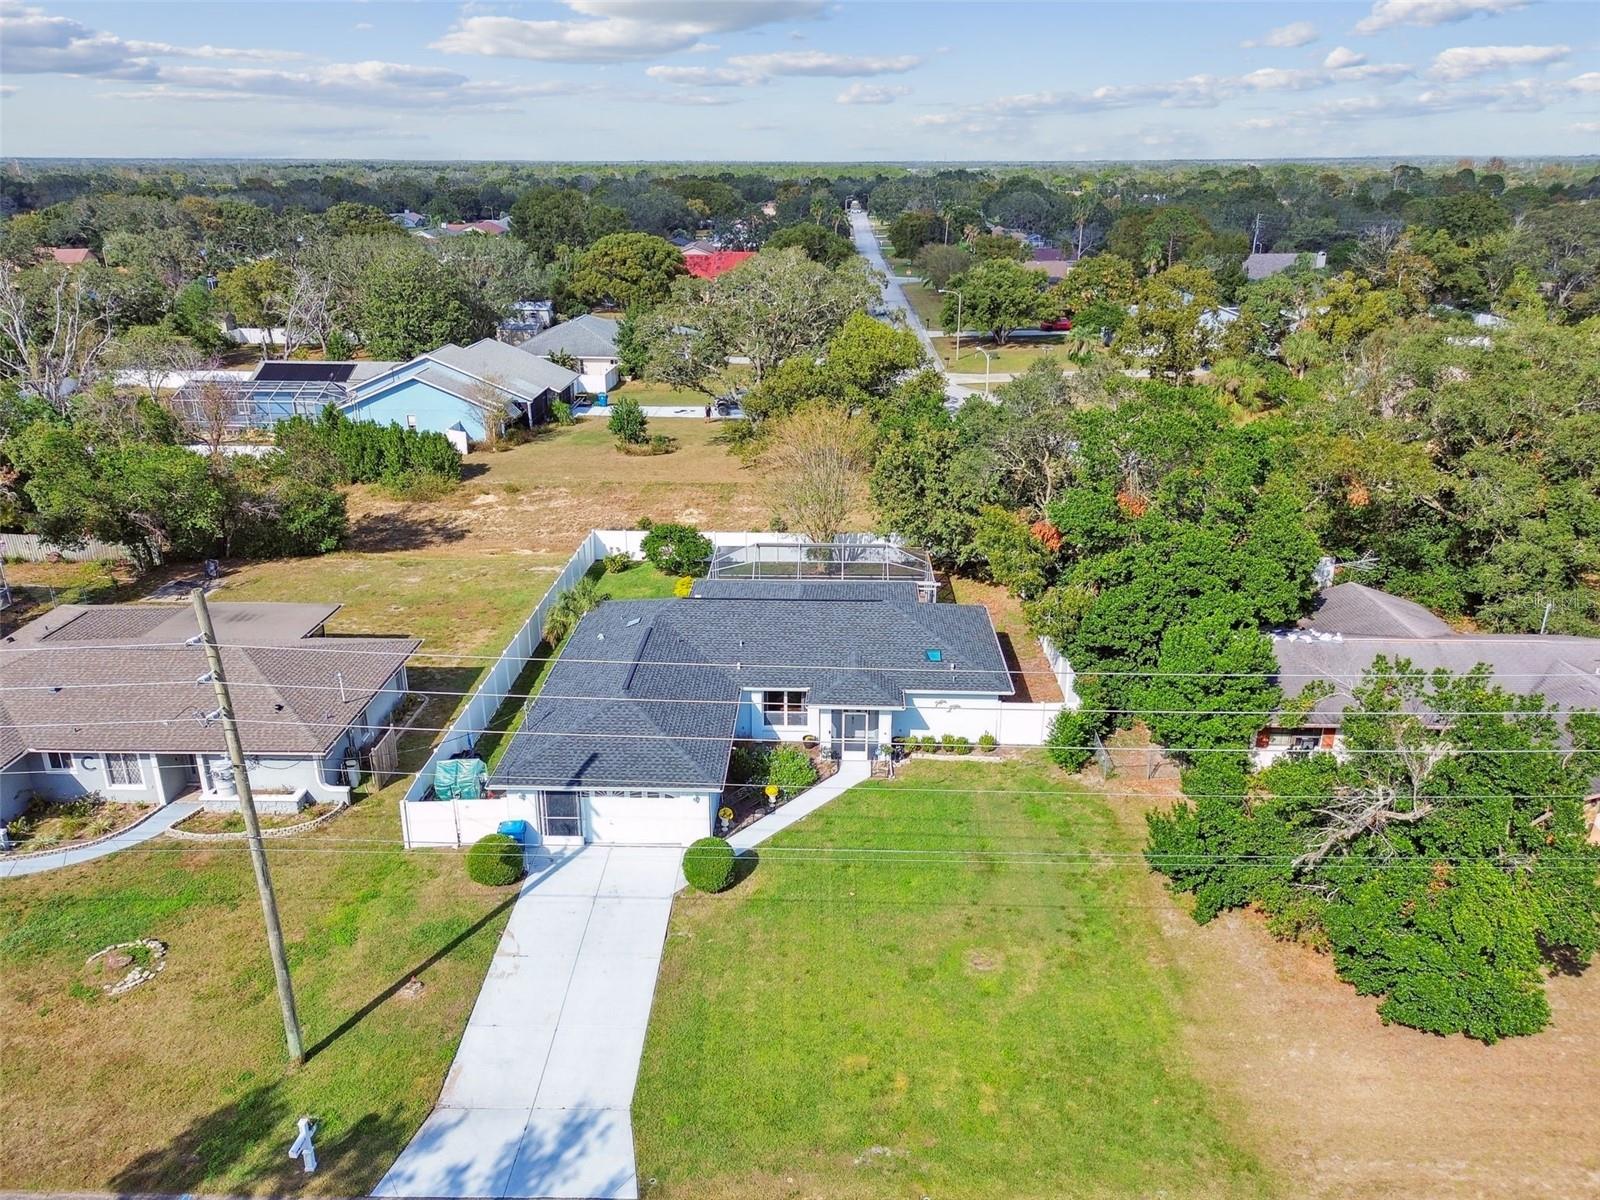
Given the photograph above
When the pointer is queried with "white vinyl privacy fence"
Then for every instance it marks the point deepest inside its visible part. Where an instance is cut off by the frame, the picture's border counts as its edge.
(427, 822)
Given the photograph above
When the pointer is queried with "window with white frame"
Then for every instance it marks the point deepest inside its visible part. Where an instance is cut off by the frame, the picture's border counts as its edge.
(783, 709)
(54, 760)
(123, 770)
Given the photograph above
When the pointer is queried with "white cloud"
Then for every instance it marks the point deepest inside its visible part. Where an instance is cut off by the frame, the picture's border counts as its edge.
(32, 42)
(1589, 81)
(1264, 123)
(1463, 62)
(618, 30)
(1281, 79)
(818, 62)
(871, 93)
(1286, 37)
(704, 76)
(1585, 127)
(1387, 14)
(363, 26)
(1341, 57)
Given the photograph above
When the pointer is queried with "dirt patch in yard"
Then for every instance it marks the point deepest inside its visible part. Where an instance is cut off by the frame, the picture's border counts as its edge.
(1030, 672)
(1346, 1107)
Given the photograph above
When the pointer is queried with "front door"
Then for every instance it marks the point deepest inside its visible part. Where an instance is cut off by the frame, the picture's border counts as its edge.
(853, 735)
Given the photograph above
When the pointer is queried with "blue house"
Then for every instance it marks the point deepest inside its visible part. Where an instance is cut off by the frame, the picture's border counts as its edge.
(463, 391)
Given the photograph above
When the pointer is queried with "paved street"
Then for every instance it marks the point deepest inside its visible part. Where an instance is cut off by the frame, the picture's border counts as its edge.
(894, 297)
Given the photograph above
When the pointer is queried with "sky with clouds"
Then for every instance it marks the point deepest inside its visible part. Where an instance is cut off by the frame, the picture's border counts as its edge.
(815, 80)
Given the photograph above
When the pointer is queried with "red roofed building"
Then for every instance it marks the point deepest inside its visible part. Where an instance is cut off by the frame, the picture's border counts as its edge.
(719, 262)
(67, 256)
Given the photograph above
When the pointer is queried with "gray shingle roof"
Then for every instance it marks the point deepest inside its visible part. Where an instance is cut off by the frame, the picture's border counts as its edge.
(1263, 264)
(646, 692)
(1355, 625)
(135, 685)
(1353, 608)
(587, 336)
(506, 366)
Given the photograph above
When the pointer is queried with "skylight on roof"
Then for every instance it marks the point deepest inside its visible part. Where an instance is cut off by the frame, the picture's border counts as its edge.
(933, 655)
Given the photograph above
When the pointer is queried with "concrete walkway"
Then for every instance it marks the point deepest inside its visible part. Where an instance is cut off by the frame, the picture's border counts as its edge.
(537, 1102)
(153, 826)
(807, 802)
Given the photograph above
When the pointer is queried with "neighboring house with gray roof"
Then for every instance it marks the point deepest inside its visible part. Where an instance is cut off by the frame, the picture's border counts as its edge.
(630, 736)
(1353, 625)
(1263, 265)
(464, 391)
(591, 340)
(118, 699)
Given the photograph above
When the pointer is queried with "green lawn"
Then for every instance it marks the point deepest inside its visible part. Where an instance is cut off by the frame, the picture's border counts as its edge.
(1009, 359)
(920, 1024)
(927, 302)
(182, 1084)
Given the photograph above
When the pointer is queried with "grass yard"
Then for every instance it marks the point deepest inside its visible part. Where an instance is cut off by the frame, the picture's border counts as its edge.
(1009, 359)
(912, 1023)
(181, 1083)
(456, 603)
(650, 394)
(927, 302)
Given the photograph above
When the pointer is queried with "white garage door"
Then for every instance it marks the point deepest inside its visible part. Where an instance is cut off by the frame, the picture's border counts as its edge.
(648, 819)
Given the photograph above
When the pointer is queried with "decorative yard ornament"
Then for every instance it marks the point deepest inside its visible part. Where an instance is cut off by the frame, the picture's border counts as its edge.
(725, 815)
(303, 1149)
(772, 791)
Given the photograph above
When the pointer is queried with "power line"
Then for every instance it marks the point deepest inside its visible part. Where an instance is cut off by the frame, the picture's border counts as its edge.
(76, 647)
(998, 706)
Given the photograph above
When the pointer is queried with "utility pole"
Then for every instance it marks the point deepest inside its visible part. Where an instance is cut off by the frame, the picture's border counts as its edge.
(258, 854)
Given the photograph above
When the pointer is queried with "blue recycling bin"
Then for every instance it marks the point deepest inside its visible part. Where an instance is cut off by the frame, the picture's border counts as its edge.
(516, 829)
(601, 400)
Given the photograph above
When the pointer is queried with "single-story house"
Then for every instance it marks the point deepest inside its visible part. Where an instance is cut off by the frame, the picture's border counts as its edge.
(699, 246)
(629, 739)
(407, 219)
(1048, 254)
(1353, 625)
(591, 340)
(718, 262)
(67, 256)
(1053, 269)
(118, 699)
(463, 391)
(1261, 266)
(492, 226)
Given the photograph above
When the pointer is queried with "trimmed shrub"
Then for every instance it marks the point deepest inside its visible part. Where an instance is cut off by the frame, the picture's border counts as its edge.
(612, 564)
(677, 549)
(495, 860)
(683, 587)
(791, 769)
(628, 424)
(928, 744)
(987, 743)
(561, 413)
(948, 743)
(963, 745)
(708, 865)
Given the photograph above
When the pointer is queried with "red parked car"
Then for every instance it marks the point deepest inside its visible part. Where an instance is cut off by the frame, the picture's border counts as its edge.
(1060, 325)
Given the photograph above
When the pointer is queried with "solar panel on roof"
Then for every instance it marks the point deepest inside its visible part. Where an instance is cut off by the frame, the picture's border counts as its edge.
(305, 372)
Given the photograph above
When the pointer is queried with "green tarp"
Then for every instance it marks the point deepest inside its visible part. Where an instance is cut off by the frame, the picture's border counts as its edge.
(459, 779)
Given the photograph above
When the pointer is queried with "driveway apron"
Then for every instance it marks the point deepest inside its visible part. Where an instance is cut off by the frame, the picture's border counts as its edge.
(537, 1101)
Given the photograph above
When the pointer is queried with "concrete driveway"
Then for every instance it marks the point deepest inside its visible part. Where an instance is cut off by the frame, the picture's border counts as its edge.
(537, 1100)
